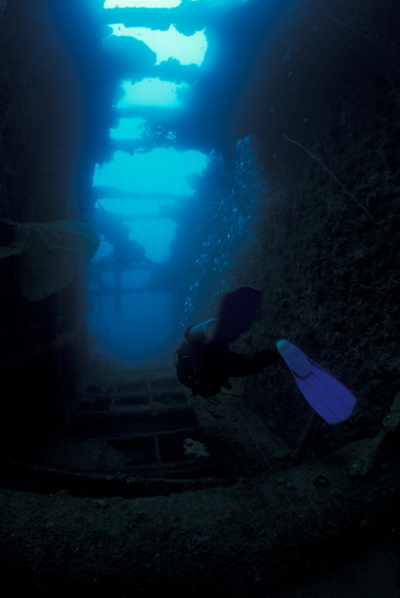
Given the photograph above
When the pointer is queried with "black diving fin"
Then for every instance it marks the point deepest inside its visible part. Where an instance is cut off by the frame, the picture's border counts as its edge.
(237, 311)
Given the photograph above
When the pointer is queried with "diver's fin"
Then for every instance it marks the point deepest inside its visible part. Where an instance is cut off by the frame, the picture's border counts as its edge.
(237, 311)
(330, 399)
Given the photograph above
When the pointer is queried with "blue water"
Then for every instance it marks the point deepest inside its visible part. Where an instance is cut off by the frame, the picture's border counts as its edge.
(170, 212)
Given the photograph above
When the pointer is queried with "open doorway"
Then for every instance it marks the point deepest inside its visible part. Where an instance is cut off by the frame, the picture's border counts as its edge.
(141, 195)
(173, 197)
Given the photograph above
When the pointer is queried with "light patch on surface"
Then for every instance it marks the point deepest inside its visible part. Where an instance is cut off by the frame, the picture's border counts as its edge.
(163, 170)
(187, 49)
(129, 208)
(141, 3)
(152, 92)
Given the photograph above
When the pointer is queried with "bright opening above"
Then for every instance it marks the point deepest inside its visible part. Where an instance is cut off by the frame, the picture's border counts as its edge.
(187, 49)
(152, 92)
(128, 128)
(141, 3)
(159, 171)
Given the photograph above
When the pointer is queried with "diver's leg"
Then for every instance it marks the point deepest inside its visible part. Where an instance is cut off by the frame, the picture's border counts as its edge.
(245, 365)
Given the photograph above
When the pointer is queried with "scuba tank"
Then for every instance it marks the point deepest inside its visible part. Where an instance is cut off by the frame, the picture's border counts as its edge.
(203, 333)
(199, 364)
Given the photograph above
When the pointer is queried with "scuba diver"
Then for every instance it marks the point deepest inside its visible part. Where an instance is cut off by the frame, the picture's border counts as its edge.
(204, 363)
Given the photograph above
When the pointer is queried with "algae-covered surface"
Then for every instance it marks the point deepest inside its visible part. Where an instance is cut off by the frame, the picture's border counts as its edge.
(275, 536)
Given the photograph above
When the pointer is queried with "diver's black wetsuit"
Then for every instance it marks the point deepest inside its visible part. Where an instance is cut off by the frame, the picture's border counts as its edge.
(207, 369)
(236, 364)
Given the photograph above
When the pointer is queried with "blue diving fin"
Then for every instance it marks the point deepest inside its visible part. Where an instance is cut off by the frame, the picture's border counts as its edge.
(329, 397)
(237, 311)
